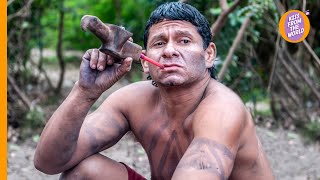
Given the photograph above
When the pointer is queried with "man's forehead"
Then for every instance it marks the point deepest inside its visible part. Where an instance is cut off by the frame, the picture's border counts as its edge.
(178, 26)
(180, 23)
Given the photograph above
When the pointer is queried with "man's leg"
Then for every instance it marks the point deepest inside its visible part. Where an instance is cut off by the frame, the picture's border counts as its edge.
(96, 167)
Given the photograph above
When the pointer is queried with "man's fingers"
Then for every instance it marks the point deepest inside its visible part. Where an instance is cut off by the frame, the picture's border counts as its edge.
(102, 60)
(98, 60)
(87, 55)
(110, 60)
(94, 58)
(125, 66)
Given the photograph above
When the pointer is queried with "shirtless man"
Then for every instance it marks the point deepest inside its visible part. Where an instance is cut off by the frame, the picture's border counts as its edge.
(190, 125)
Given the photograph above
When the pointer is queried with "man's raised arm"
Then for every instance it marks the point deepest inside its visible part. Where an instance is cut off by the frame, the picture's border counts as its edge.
(70, 135)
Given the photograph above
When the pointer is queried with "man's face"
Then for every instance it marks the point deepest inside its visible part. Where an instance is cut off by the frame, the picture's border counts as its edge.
(179, 47)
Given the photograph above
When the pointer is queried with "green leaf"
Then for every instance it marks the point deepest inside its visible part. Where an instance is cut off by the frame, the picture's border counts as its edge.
(25, 25)
(215, 11)
(35, 138)
(248, 74)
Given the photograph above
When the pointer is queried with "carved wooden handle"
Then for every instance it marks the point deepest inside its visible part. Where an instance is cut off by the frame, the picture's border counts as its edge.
(114, 39)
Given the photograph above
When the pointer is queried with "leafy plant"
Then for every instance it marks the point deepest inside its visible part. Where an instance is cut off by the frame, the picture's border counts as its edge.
(34, 118)
(312, 130)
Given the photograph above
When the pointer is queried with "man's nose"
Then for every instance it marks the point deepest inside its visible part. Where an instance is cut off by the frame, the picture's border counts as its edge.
(170, 51)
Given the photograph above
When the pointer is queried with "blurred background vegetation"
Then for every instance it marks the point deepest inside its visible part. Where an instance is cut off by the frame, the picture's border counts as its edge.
(278, 81)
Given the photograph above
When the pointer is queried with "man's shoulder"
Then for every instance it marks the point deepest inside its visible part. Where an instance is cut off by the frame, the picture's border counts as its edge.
(219, 94)
(221, 110)
(222, 106)
(140, 85)
(134, 91)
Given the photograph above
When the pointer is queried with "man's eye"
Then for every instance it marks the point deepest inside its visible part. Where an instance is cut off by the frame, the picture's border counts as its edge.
(185, 41)
(158, 44)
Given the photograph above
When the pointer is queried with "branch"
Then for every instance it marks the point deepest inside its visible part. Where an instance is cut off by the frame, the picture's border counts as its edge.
(218, 24)
(44, 73)
(314, 55)
(234, 46)
(9, 2)
(238, 79)
(223, 5)
(287, 68)
(304, 77)
(280, 7)
(22, 96)
(304, 6)
(291, 93)
(23, 12)
(59, 50)
(274, 63)
(233, 7)
(284, 107)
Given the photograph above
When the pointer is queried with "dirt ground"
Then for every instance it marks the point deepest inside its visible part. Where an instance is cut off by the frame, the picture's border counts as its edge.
(290, 156)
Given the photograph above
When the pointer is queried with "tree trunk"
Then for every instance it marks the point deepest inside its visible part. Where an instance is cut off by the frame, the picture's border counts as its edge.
(59, 49)
(40, 43)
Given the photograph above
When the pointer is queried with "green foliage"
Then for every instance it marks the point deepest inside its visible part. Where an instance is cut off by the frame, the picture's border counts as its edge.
(133, 16)
(256, 8)
(68, 59)
(264, 113)
(26, 74)
(136, 75)
(34, 118)
(250, 84)
(312, 130)
(51, 100)
(254, 94)
(215, 11)
(33, 121)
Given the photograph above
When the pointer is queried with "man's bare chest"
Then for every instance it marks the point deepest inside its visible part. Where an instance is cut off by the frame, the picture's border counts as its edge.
(165, 142)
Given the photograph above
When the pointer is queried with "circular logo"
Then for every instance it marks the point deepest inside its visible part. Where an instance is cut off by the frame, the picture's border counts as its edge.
(294, 26)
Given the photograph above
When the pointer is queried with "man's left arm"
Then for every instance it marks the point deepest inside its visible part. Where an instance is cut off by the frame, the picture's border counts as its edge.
(212, 152)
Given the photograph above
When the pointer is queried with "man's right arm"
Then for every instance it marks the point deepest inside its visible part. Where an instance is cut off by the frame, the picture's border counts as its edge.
(70, 135)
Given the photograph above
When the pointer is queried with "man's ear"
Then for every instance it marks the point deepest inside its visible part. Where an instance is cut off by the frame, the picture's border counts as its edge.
(210, 54)
(144, 63)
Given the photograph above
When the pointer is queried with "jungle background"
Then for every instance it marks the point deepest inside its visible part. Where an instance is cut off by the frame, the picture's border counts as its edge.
(278, 81)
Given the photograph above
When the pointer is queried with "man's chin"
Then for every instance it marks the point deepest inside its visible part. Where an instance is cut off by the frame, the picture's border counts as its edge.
(173, 80)
(171, 83)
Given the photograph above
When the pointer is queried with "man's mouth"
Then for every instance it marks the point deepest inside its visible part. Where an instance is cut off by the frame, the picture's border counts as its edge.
(171, 65)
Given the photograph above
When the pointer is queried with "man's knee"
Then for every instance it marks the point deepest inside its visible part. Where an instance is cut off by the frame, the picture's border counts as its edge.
(84, 170)
(95, 167)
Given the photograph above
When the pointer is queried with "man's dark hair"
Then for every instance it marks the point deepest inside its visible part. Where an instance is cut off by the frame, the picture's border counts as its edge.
(184, 12)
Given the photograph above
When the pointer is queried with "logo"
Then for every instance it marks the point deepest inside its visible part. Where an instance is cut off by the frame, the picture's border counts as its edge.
(294, 26)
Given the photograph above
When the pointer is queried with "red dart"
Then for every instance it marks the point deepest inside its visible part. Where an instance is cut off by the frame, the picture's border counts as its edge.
(142, 56)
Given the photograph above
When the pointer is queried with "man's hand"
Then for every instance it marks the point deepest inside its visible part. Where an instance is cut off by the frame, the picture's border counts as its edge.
(70, 135)
(98, 72)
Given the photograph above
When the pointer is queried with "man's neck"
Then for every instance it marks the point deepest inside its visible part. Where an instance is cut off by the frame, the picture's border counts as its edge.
(180, 101)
